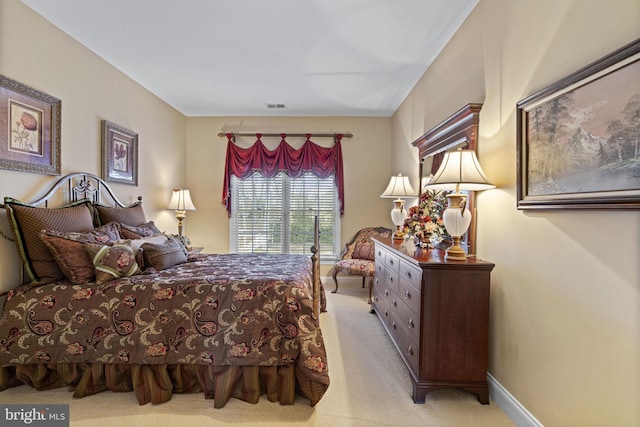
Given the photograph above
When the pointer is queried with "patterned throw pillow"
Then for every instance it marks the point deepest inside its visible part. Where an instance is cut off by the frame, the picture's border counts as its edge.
(69, 252)
(131, 215)
(365, 249)
(28, 221)
(166, 255)
(113, 262)
(137, 232)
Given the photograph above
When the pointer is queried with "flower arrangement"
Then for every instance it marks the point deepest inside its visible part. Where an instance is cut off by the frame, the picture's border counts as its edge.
(424, 221)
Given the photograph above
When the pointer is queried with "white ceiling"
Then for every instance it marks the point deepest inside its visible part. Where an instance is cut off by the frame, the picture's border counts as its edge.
(231, 58)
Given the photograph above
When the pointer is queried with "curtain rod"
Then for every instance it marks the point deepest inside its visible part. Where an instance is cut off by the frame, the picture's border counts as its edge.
(318, 135)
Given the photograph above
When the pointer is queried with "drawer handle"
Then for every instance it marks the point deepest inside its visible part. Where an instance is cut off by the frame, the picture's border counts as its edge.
(376, 298)
(391, 261)
(410, 322)
(407, 294)
(391, 279)
(408, 274)
(386, 293)
(393, 325)
(379, 253)
(394, 303)
(386, 313)
(410, 350)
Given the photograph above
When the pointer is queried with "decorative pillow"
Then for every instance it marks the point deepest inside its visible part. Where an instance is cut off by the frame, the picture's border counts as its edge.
(137, 243)
(365, 249)
(130, 215)
(137, 232)
(28, 221)
(166, 255)
(113, 262)
(69, 252)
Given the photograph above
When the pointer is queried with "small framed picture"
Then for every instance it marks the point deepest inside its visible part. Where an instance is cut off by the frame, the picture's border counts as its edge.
(29, 129)
(119, 154)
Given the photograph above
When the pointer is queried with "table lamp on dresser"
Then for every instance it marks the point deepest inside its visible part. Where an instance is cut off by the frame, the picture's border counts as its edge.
(459, 171)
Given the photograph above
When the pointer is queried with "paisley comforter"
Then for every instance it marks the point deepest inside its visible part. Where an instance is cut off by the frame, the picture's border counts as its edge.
(228, 325)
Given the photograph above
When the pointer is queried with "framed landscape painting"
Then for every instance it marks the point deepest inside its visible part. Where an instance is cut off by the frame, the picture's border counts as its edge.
(29, 129)
(119, 154)
(579, 139)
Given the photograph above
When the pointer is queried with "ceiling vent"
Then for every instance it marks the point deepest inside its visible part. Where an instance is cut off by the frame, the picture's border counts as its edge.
(275, 106)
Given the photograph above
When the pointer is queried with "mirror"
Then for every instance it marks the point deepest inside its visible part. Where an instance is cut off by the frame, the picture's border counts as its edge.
(459, 130)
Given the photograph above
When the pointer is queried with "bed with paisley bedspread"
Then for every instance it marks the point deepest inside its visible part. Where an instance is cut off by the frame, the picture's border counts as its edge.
(225, 325)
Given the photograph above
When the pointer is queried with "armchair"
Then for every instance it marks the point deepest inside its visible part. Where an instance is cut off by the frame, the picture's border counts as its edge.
(358, 257)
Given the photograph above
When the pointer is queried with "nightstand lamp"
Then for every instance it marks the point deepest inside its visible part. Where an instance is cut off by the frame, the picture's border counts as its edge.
(399, 186)
(181, 203)
(459, 170)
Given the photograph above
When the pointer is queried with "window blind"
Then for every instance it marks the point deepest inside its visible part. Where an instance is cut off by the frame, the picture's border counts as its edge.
(276, 215)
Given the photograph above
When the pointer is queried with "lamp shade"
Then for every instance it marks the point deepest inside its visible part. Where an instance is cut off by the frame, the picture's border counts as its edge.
(181, 201)
(460, 167)
(399, 186)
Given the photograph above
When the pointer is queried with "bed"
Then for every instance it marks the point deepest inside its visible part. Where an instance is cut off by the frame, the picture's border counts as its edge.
(147, 316)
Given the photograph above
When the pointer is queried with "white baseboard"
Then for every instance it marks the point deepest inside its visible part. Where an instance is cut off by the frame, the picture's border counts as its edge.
(509, 405)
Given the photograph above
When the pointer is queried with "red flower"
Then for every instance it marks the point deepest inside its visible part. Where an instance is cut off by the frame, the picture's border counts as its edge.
(29, 122)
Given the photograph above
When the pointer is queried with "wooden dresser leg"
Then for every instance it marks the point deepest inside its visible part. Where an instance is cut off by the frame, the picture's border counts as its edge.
(481, 392)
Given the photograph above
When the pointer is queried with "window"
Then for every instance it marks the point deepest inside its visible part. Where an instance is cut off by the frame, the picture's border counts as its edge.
(276, 215)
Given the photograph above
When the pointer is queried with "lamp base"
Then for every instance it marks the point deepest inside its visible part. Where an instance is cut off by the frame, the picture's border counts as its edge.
(455, 251)
(398, 215)
(398, 235)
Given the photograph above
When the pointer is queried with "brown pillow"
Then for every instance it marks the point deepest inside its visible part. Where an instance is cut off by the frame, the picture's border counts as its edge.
(166, 255)
(69, 252)
(365, 249)
(136, 246)
(113, 262)
(140, 231)
(28, 221)
(130, 215)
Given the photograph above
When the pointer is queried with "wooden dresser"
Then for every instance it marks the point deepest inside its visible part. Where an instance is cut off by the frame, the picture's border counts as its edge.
(437, 315)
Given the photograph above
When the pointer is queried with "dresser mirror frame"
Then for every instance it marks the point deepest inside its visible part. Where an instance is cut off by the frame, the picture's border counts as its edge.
(460, 130)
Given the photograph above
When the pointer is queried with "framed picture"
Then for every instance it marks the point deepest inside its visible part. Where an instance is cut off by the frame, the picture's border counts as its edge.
(578, 140)
(29, 129)
(119, 154)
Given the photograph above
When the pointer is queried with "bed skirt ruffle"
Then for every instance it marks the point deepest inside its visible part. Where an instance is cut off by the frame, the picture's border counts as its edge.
(156, 383)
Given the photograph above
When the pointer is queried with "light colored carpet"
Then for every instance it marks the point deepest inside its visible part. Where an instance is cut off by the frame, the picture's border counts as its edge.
(370, 386)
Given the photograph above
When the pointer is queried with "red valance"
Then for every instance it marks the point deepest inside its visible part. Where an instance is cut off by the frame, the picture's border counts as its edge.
(321, 161)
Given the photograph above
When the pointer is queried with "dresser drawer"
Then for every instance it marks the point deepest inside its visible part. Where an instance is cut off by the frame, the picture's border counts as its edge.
(410, 274)
(411, 296)
(381, 304)
(386, 278)
(392, 262)
(404, 342)
(409, 319)
(381, 288)
(380, 255)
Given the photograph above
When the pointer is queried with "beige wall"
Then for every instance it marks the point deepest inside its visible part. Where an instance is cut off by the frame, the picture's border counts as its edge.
(366, 173)
(35, 53)
(564, 307)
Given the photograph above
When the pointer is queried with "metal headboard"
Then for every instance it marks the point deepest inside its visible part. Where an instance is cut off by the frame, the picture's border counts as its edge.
(81, 185)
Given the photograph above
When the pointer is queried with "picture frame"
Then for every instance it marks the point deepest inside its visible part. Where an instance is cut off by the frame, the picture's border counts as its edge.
(119, 154)
(578, 140)
(29, 129)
